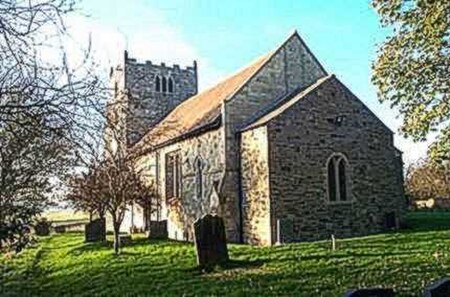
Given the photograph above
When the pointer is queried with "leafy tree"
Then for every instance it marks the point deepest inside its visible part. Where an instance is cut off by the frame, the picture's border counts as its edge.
(427, 179)
(85, 193)
(413, 67)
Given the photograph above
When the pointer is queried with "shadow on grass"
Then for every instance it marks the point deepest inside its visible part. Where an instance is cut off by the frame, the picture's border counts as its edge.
(229, 265)
(89, 247)
(423, 221)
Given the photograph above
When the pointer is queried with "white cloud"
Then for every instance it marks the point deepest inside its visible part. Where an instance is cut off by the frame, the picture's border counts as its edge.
(154, 40)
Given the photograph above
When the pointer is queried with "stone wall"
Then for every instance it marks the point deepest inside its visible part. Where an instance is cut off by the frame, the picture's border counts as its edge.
(291, 67)
(255, 187)
(184, 210)
(301, 141)
(146, 106)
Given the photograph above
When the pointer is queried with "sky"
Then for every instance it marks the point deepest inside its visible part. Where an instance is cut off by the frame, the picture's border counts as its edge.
(224, 36)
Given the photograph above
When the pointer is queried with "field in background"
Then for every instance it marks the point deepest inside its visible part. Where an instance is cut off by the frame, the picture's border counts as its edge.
(62, 265)
(66, 216)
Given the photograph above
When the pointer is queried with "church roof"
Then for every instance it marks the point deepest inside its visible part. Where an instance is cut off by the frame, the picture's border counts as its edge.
(202, 109)
(285, 103)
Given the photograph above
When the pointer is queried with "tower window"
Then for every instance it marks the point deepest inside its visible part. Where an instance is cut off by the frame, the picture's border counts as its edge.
(164, 84)
(170, 85)
(157, 84)
(337, 178)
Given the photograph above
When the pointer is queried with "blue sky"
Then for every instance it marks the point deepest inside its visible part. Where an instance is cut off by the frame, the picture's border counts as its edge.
(226, 35)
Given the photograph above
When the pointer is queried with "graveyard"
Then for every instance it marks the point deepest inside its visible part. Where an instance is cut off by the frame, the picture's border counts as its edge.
(64, 265)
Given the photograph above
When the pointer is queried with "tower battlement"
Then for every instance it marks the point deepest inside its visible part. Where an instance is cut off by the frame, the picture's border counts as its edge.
(152, 90)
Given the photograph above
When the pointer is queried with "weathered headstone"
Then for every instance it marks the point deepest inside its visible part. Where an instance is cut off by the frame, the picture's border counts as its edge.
(285, 230)
(60, 229)
(375, 292)
(95, 231)
(210, 241)
(125, 239)
(157, 230)
(42, 228)
(440, 288)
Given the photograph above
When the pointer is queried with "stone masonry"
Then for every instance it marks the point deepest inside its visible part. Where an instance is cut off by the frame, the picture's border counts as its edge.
(306, 135)
(255, 149)
(147, 104)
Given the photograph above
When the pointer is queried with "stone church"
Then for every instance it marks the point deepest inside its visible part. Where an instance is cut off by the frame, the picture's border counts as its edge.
(282, 150)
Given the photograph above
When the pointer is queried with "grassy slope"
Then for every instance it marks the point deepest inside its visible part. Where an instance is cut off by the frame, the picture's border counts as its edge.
(64, 266)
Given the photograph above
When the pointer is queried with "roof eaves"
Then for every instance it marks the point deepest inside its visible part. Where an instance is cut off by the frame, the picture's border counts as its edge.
(211, 125)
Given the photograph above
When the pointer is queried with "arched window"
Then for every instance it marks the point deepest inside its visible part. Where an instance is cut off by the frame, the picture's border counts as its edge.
(337, 178)
(157, 84)
(170, 85)
(164, 84)
(198, 178)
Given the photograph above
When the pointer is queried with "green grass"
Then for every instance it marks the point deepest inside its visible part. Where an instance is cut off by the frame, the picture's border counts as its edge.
(63, 265)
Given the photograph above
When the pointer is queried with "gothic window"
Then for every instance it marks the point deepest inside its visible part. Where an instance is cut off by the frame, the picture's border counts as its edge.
(164, 84)
(170, 85)
(173, 175)
(337, 178)
(157, 84)
(198, 178)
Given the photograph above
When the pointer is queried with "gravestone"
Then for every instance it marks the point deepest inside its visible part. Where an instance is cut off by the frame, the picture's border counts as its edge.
(375, 292)
(157, 230)
(95, 231)
(60, 229)
(210, 241)
(42, 228)
(441, 288)
(285, 230)
(125, 239)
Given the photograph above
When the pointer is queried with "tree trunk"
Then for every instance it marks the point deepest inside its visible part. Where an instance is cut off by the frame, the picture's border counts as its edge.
(116, 237)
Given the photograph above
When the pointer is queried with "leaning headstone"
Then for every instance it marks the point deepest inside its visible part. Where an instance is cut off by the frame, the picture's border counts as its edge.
(440, 288)
(375, 292)
(157, 230)
(95, 230)
(42, 228)
(210, 241)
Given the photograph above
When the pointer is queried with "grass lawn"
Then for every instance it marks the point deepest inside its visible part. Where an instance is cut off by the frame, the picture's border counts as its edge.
(62, 265)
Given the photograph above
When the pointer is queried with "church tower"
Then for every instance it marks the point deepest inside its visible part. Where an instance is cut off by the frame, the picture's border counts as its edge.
(147, 92)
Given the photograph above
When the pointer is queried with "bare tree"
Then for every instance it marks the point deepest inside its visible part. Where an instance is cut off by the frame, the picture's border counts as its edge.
(48, 110)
